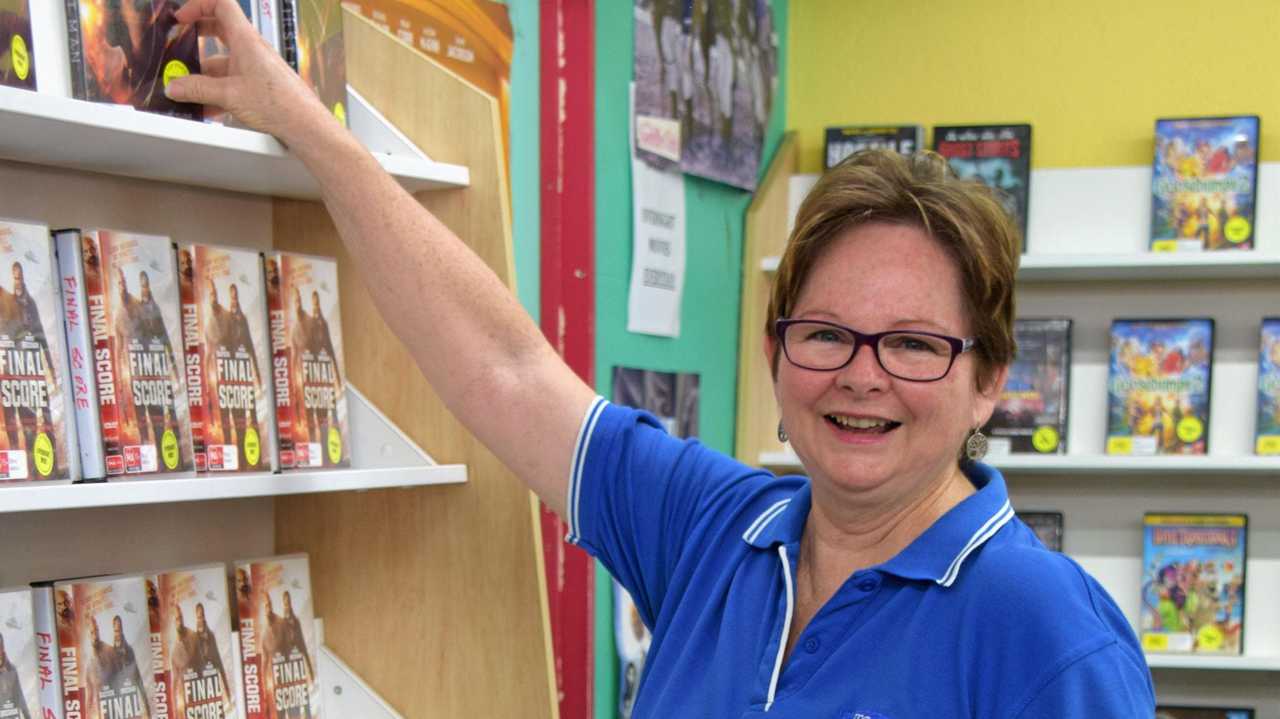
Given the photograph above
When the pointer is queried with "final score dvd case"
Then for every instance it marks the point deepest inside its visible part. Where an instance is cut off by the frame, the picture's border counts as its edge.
(38, 441)
(308, 371)
(19, 683)
(122, 309)
(277, 637)
(17, 49)
(195, 667)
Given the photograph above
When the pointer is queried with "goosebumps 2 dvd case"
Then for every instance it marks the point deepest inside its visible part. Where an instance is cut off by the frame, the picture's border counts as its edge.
(1268, 432)
(1193, 583)
(1158, 386)
(1203, 184)
(1031, 416)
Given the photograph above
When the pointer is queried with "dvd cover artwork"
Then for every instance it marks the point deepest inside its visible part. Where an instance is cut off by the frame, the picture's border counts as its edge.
(997, 155)
(190, 622)
(225, 339)
(1172, 712)
(17, 51)
(105, 649)
(126, 51)
(1031, 416)
(1193, 583)
(38, 442)
(1203, 185)
(19, 682)
(315, 27)
(1158, 386)
(845, 141)
(1268, 428)
(1047, 526)
(135, 316)
(308, 370)
(277, 637)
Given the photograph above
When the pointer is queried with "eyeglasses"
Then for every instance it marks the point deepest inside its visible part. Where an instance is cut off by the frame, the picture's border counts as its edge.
(827, 346)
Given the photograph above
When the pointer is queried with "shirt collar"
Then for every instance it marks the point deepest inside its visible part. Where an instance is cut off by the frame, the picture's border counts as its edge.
(936, 555)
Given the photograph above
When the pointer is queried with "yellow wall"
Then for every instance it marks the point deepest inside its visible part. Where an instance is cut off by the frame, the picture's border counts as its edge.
(1090, 76)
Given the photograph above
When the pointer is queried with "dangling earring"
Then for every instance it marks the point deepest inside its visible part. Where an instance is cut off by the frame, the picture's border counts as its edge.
(975, 448)
(782, 433)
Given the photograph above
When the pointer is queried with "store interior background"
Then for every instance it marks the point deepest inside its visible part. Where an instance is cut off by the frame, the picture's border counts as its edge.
(1091, 76)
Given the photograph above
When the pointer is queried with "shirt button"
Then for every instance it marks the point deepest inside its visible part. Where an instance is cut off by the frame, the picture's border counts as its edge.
(812, 645)
(867, 585)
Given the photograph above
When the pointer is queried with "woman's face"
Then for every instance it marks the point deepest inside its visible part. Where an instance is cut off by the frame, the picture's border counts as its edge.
(874, 278)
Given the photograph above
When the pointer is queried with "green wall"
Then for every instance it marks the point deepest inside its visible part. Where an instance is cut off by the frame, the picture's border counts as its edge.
(708, 342)
(525, 197)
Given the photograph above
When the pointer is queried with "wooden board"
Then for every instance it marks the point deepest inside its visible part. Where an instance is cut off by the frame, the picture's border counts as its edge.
(766, 235)
(435, 597)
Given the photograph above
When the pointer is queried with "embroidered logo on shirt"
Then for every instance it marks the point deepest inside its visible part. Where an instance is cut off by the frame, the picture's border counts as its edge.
(862, 714)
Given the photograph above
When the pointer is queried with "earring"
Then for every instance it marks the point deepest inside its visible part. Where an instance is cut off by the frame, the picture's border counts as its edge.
(782, 433)
(975, 448)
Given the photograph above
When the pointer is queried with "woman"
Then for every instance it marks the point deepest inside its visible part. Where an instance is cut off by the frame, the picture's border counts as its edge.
(896, 582)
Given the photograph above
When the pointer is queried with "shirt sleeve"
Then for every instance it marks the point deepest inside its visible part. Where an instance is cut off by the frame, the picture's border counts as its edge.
(637, 495)
(1107, 683)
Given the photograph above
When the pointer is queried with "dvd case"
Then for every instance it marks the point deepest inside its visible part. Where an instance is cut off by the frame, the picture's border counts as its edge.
(311, 42)
(1031, 416)
(190, 620)
(228, 359)
(308, 372)
(125, 52)
(1268, 427)
(1193, 583)
(38, 441)
(48, 608)
(1047, 526)
(277, 637)
(997, 155)
(1159, 386)
(842, 142)
(1172, 712)
(127, 285)
(19, 681)
(17, 49)
(1204, 183)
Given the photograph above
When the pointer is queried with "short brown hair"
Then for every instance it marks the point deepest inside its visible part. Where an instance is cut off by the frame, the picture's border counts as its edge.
(963, 216)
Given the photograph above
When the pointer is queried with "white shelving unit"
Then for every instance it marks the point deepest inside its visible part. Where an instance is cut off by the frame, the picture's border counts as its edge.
(1263, 469)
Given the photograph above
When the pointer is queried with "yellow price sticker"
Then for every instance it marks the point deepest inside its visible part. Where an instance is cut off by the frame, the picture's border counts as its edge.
(169, 449)
(252, 447)
(1164, 246)
(1210, 638)
(1119, 445)
(340, 112)
(335, 446)
(1268, 444)
(1155, 642)
(42, 453)
(1190, 429)
(1045, 439)
(1237, 230)
(174, 68)
(20, 57)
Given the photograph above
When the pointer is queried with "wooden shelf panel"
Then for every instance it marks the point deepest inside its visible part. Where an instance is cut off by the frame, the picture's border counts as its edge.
(118, 140)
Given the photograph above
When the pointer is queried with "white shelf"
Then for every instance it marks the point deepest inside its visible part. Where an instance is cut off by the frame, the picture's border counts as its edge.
(1200, 661)
(1101, 465)
(1145, 266)
(117, 140)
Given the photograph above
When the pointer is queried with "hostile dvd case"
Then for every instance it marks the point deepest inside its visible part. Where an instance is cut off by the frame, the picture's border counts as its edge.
(125, 52)
(104, 648)
(308, 372)
(228, 359)
(1159, 385)
(844, 141)
(19, 680)
(1172, 712)
(17, 49)
(997, 155)
(190, 620)
(277, 637)
(1268, 427)
(1193, 583)
(1031, 416)
(1047, 526)
(1204, 184)
(127, 285)
(311, 42)
(36, 410)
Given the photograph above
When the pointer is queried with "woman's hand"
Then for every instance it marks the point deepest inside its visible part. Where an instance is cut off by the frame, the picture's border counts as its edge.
(253, 82)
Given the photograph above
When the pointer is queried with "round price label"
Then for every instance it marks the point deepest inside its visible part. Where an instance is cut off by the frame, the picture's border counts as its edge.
(334, 446)
(20, 57)
(1045, 439)
(340, 112)
(169, 449)
(252, 447)
(1236, 230)
(1190, 429)
(1210, 638)
(174, 68)
(42, 453)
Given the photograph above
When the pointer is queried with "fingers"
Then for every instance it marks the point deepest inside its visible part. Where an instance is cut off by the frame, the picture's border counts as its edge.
(200, 89)
(224, 16)
(215, 66)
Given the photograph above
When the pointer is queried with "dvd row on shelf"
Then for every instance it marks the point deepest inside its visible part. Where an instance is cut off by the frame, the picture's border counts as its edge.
(161, 644)
(127, 355)
(1158, 388)
(126, 53)
(1203, 186)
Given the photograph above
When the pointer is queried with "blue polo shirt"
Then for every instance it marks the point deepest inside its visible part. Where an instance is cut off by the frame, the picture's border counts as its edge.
(974, 619)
